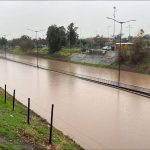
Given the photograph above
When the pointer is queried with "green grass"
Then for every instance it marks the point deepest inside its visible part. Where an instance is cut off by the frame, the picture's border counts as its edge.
(16, 51)
(42, 51)
(64, 53)
(15, 133)
(8, 147)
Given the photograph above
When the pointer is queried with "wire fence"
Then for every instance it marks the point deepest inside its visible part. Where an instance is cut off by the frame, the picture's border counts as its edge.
(59, 120)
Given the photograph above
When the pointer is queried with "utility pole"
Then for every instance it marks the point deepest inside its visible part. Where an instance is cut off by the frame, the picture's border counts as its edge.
(121, 23)
(37, 53)
(114, 19)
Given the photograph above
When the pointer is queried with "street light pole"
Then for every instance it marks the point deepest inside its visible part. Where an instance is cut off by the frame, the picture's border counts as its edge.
(121, 23)
(114, 20)
(37, 53)
(119, 54)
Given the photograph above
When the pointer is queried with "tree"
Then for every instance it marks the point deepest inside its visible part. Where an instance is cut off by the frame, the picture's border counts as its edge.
(137, 51)
(40, 42)
(141, 33)
(56, 38)
(82, 43)
(146, 37)
(124, 40)
(130, 38)
(3, 42)
(63, 38)
(99, 41)
(26, 43)
(72, 35)
(14, 42)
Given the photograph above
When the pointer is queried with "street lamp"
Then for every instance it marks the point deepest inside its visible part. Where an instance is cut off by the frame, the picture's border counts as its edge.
(121, 23)
(114, 18)
(37, 53)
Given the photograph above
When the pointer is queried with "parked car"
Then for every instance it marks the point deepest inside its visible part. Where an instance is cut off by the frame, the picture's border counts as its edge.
(107, 48)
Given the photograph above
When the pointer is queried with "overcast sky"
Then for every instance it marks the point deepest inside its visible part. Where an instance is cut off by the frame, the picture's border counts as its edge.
(90, 16)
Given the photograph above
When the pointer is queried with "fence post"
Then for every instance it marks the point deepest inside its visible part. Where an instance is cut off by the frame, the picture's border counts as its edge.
(13, 102)
(5, 94)
(51, 125)
(28, 117)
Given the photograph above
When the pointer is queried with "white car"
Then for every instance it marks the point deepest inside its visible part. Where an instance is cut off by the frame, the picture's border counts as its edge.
(107, 48)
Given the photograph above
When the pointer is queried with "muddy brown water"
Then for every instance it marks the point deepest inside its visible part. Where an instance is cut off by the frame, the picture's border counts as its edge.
(130, 78)
(95, 116)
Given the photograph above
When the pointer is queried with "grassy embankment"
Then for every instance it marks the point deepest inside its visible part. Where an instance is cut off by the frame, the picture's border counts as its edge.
(64, 55)
(16, 134)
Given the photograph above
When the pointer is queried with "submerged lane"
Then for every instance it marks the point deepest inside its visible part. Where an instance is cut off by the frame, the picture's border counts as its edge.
(131, 78)
(95, 116)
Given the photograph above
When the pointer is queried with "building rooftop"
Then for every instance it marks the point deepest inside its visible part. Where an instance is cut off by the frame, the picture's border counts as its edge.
(124, 43)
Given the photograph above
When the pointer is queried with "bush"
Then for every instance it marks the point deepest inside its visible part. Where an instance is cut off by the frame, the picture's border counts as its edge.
(26, 43)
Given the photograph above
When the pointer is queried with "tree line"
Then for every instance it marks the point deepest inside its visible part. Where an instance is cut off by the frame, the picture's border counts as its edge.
(57, 37)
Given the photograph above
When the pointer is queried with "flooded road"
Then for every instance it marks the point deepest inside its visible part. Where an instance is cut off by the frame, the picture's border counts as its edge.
(130, 78)
(95, 116)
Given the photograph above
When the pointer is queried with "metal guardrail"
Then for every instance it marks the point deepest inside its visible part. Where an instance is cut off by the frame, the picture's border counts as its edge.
(131, 88)
(107, 82)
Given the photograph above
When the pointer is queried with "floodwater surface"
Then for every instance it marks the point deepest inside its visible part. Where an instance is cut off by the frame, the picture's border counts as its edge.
(130, 78)
(95, 116)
